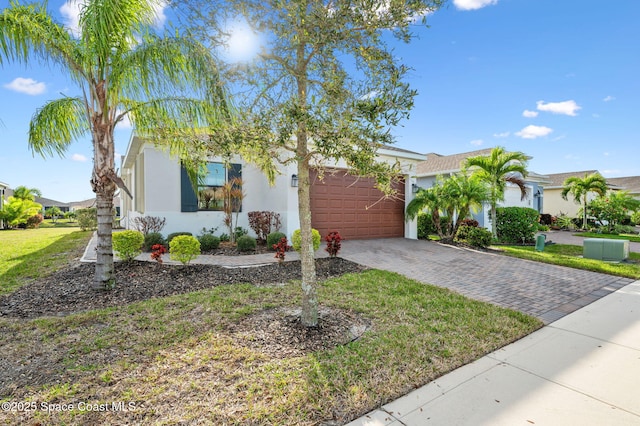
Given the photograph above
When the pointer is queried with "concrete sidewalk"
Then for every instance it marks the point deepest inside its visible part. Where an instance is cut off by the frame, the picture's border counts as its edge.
(583, 369)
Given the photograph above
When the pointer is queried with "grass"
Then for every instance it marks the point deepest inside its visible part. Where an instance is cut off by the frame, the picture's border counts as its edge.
(570, 255)
(26, 254)
(177, 360)
(630, 237)
(59, 223)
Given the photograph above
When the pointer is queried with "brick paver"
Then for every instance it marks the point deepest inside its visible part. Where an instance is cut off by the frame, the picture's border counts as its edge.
(548, 292)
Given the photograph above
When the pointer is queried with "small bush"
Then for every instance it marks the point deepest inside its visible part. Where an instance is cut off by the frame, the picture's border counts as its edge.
(148, 224)
(171, 236)
(208, 242)
(470, 222)
(246, 243)
(87, 219)
(184, 248)
(333, 240)
(264, 223)
(474, 236)
(426, 226)
(151, 239)
(157, 251)
(224, 238)
(239, 232)
(281, 249)
(34, 221)
(635, 218)
(128, 244)
(274, 238)
(543, 228)
(516, 224)
(546, 219)
(623, 229)
(296, 239)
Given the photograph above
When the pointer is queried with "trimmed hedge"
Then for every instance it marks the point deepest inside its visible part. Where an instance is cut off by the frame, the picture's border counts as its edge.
(474, 236)
(296, 239)
(516, 224)
(128, 244)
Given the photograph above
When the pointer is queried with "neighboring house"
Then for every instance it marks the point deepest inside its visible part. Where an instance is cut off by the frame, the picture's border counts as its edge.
(555, 205)
(88, 203)
(3, 188)
(160, 187)
(445, 165)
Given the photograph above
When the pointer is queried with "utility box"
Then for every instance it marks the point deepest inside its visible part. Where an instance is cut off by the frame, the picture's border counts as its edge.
(605, 249)
(540, 241)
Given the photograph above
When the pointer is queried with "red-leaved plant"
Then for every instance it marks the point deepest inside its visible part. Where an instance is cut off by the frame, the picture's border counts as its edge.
(157, 250)
(333, 243)
(281, 248)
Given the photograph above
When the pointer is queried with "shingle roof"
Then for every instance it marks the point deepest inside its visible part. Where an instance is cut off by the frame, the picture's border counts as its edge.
(557, 179)
(629, 183)
(436, 163)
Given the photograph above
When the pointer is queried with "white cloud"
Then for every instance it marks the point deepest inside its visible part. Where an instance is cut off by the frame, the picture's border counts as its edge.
(477, 142)
(606, 154)
(608, 98)
(529, 114)
(565, 107)
(501, 135)
(125, 123)
(533, 132)
(70, 12)
(79, 157)
(26, 85)
(473, 4)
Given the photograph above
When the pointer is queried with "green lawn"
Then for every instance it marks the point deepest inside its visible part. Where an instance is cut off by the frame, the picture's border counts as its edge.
(29, 253)
(183, 359)
(630, 237)
(570, 255)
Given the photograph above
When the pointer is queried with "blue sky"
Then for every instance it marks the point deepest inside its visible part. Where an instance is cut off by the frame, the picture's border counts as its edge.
(558, 80)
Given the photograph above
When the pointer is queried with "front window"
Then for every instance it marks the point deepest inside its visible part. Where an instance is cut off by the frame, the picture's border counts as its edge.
(219, 183)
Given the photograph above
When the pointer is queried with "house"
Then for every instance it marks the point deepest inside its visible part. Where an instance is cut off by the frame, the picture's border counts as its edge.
(160, 187)
(3, 188)
(555, 205)
(445, 165)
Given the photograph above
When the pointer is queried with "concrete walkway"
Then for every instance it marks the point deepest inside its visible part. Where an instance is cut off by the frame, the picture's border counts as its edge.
(580, 370)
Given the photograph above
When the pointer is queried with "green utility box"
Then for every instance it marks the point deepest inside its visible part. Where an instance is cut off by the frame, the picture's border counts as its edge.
(540, 240)
(605, 249)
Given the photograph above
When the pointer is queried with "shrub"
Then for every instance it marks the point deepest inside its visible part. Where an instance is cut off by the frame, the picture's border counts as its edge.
(171, 236)
(184, 248)
(34, 221)
(225, 237)
(148, 224)
(546, 219)
(157, 251)
(474, 236)
(151, 239)
(264, 223)
(296, 239)
(87, 218)
(623, 229)
(274, 238)
(470, 222)
(208, 242)
(426, 226)
(542, 228)
(239, 232)
(635, 218)
(246, 243)
(333, 240)
(128, 244)
(281, 248)
(516, 224)
(565, 222)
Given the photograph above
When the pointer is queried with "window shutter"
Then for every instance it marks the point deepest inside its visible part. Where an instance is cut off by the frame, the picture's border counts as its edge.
(188, 197)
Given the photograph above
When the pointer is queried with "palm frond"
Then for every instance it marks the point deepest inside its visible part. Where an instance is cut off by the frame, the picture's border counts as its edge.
(58, 123)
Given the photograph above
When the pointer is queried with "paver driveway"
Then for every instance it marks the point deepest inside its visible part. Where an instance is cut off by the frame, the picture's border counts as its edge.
(545, 291)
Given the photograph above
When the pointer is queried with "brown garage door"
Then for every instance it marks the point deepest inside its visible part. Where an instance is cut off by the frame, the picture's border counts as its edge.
(352, 206)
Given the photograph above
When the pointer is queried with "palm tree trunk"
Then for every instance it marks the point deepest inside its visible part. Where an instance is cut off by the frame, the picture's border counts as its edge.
(494, 228)
(104, 188)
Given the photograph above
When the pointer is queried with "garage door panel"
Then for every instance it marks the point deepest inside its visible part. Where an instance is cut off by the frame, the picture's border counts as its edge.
(354, 207)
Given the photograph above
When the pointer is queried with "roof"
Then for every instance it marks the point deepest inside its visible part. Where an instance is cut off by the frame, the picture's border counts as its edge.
(438, 164)
(629, 183)
(557, 179)
(3, 185)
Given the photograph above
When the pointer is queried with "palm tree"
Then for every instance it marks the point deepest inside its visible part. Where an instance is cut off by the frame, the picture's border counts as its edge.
(24, 193)
(431, 200)
(497, 169)
(168, 87)
(470, 192)
(580, 189)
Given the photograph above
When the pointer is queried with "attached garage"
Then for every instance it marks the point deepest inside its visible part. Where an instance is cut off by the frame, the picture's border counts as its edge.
(354, 207)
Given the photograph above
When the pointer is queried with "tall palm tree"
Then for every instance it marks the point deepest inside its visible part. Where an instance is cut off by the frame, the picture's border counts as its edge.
(168, 86)
(497, 169)
(24, 193)
(469, 192)
(580, 189)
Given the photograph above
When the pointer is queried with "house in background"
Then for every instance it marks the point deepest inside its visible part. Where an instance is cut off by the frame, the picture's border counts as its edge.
(555, 205)
(445, 165)
(351, 205)
(3, 187)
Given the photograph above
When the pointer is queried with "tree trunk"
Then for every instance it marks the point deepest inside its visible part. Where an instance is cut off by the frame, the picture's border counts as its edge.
(309, 316)
(494, 228)
(104, 188)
